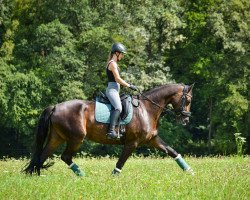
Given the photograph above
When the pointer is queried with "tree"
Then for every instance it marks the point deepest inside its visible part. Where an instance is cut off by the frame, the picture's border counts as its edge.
(214, 57)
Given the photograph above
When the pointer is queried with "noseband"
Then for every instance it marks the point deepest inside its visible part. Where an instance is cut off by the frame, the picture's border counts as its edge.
(181, 110)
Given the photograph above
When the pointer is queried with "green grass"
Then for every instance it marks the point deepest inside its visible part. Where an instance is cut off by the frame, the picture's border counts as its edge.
(141, 178)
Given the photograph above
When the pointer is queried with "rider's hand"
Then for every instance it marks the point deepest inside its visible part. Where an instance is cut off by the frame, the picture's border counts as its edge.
(133, 87)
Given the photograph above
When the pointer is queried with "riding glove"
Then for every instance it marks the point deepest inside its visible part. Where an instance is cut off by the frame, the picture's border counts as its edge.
(133, 87)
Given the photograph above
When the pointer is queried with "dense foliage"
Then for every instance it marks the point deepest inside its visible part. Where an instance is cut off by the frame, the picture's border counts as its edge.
(53, 51)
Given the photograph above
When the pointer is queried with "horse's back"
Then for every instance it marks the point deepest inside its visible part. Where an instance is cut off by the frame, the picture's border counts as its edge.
(71, 105)
(73, 108)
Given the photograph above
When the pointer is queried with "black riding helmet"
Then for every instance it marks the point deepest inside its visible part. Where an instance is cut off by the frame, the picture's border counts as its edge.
(118, 47)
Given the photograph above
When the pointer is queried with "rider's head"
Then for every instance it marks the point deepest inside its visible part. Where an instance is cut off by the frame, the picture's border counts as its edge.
(119, 50)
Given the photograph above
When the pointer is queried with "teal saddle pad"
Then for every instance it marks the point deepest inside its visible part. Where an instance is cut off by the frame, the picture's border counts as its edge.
(102, 112)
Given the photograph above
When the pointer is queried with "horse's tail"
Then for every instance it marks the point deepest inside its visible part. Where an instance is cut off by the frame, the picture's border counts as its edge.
(42, 131)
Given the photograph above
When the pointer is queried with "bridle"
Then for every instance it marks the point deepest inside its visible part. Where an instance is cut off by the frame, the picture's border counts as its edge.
(178, 112)
(181, 110)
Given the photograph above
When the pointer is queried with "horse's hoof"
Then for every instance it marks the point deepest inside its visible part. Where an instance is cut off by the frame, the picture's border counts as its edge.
(190, 172)
(80, 174)
(116, 172)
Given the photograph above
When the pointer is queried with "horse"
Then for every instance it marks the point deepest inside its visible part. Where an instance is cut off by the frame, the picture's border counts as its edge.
(74, 121)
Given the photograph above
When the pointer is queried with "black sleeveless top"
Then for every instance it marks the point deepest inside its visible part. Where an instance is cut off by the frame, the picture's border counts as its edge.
(110, 74)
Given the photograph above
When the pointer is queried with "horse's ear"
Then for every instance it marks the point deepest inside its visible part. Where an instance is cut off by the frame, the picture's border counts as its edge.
(190, 87)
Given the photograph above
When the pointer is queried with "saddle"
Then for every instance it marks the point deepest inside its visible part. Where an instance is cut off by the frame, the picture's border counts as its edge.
(103, 108)
(125, 103)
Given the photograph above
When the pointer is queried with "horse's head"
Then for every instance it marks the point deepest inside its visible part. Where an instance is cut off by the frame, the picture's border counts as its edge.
(182, 104)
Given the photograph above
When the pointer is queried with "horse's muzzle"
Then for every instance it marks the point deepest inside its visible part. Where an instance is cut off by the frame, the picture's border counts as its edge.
(185, 121)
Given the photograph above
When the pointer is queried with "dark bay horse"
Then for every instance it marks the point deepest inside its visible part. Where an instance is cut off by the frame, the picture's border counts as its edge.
(74, 121)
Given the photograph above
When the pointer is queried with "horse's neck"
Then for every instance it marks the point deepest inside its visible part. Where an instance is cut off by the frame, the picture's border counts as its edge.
(161, 96)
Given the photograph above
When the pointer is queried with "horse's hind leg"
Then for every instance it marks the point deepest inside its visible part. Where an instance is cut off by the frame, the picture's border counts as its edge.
(54, 141)
(72, 147)
(158, 143)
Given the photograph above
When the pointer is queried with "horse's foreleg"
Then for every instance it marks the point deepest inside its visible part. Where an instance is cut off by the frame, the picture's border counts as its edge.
(158, 143)
(67, 155)
(127, 151)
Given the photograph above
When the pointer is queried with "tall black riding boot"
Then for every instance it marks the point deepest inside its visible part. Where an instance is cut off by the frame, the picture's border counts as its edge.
(113, 120)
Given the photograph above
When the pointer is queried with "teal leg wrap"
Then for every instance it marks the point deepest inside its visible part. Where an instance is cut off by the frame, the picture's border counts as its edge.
(76, 170)
(182, 163)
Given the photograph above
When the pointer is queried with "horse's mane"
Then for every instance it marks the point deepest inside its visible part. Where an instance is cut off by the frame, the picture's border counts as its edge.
(159, 89)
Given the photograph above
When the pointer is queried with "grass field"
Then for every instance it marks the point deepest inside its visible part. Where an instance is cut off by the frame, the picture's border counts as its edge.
(141, 178)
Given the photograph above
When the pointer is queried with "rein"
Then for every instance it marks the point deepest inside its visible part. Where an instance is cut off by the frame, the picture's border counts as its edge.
(178, 112)
(156, 104)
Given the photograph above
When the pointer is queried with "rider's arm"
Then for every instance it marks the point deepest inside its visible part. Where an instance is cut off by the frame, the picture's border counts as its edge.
(118, 79)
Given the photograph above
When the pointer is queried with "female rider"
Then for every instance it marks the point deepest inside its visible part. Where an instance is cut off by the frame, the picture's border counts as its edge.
(114, 81)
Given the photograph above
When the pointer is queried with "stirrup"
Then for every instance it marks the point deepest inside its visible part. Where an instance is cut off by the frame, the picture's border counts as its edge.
(112, 134)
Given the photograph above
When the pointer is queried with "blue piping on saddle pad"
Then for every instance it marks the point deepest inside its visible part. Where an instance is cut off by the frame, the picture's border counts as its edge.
(102, 112)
